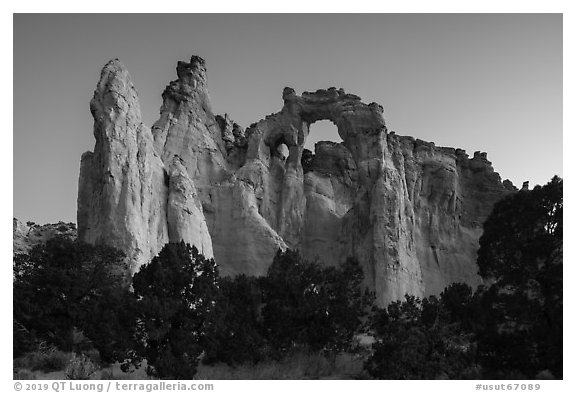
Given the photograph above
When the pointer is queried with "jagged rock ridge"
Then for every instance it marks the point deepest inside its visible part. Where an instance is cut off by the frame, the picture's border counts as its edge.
(27, 235)
(410, 211)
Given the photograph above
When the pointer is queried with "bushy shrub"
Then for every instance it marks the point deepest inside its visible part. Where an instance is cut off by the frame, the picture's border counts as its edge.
(418, 340)
(59, 288)
(45, 358)
(307, 304)
(234, 329)
(174, 295)
(298, 304)
(521, 256)
(80, 367)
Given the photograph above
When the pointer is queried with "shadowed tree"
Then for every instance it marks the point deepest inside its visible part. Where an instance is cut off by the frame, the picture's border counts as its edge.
(306, 304)
(175, 293)
(66, 285)
(234, 330)
(520, 255)
(421, 340)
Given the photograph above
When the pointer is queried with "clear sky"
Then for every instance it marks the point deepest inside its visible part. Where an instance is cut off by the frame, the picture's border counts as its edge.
(489, 82)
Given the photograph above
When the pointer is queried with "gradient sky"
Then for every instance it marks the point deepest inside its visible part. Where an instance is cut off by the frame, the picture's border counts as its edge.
(489, 82)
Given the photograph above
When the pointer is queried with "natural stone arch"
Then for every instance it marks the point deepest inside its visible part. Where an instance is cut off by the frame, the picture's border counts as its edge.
(369, 187)
(361, 127)
(319, 131)
(355, 121)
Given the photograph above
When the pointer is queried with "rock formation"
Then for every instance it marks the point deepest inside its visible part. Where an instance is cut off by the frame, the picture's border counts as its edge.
(123, 190)
(411, 212)
(26, 236)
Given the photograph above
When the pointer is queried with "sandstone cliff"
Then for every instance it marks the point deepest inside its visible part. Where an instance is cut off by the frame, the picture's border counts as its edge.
(410, 211)
(123, 190)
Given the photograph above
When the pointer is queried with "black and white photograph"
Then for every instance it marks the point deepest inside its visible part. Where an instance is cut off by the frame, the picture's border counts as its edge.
(201, 197)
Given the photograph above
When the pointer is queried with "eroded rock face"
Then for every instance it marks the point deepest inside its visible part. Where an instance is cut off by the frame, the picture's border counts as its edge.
(411, 212)
(229, 187)
(184, 210)
(124, 193)
(188, 128)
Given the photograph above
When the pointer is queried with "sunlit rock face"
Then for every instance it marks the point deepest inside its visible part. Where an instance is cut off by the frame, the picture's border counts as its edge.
(409, 211)
(123, 190)
(213, 151)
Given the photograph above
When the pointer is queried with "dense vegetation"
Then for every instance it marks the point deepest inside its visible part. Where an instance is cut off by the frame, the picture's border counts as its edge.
(511, 328)
(174, 295)
(521, 256)
(423, 339)
(180, 310)
(298, 304)
(64, 290)
(74, 297)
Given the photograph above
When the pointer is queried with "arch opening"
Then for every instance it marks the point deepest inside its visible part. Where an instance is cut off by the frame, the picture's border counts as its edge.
(279, 148)
(281, 151)
(322, 130)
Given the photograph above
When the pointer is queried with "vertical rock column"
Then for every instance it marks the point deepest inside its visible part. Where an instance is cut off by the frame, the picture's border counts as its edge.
(185, 217)
(188, 128)
(380, 224)
(122, 193)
